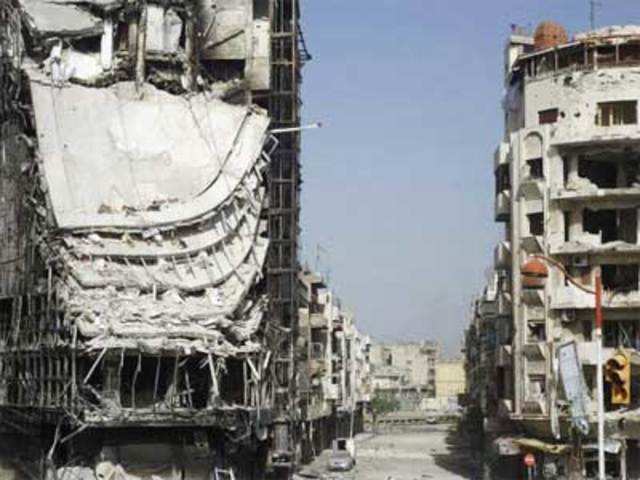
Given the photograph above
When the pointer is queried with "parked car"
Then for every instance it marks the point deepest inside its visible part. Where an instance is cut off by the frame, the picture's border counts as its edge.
(341, 462)
(342, 456)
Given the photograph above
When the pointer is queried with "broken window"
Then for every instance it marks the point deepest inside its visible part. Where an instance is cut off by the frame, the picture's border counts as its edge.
(536, 332)
(612, 225)
(503, 178)
(537, 386)
(505, 333)
(317, 351)
(318, 335)
(548, 116)
(620, 333)
(606, 55)
(601, 222)
(629, 52)
(620, 278)
(582, 273)
(602, 173)
(260, 8)
(587, 330)
(628, 225)
(536, 223)
(612, 461)
(617, 113)
(316, 308)
(144, 380)
(232, 381)
(535, 168)
(570, 57)
(6, 307)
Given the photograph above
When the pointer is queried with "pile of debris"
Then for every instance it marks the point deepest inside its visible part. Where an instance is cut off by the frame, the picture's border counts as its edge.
(154, 182)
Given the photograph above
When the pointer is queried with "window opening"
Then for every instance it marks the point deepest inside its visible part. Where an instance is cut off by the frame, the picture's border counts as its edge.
(617, 113)
(587, 330)
(612, 225)
(536, 223)
(620, 278)
(503, 178)
(537, 332)
(620, 333)
(603, 174)
(535, 168)
(548, 116)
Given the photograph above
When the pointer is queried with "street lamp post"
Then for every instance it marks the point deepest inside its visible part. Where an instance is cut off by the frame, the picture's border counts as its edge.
(536, 271)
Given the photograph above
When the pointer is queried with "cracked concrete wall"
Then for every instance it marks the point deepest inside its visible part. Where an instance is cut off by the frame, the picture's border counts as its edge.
(554, 212)
(144, 206)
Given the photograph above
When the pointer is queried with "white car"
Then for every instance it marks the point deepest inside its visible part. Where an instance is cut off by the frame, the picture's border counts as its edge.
(341, 462)
(342, 456)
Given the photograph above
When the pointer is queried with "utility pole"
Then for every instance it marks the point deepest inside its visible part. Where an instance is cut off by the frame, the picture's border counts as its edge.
(597, 292)
(601, 457)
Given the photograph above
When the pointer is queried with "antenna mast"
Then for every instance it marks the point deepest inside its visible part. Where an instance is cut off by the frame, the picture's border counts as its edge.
(594, 4)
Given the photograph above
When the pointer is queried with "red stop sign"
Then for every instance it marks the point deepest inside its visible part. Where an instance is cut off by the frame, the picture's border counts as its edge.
(529, 460)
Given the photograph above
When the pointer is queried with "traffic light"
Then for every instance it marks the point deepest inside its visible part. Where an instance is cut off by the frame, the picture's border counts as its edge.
(618, 372)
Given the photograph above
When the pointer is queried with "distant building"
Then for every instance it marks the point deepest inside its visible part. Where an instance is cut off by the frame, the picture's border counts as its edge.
(334, 372)
(406, 370)
(450, 381)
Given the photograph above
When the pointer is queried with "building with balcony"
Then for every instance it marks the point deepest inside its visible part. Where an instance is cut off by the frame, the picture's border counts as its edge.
(405, 370)
(334, 374)
(567, 177)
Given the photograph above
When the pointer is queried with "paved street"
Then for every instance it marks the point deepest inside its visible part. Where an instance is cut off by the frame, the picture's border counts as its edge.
(430, 452)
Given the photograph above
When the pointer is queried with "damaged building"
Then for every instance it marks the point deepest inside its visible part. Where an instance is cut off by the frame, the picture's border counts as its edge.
(406, 371)
(335, 382)
(149, 183)
(568, 193)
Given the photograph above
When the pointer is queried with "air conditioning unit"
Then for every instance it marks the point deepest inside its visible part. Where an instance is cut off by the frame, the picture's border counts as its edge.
(579, 261)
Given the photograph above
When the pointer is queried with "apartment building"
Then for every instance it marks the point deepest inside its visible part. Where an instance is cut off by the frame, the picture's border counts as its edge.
(335, 382)
(405, 370)
(568, 195)
(450, 381)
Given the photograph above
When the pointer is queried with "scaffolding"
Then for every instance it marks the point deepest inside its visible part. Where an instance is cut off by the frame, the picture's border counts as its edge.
(287, 57)
(51, 385)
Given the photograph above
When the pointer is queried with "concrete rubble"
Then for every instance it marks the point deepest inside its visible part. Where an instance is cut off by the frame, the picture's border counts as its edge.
(142, 195)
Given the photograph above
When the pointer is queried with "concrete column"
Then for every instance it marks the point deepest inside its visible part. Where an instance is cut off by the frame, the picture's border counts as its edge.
(575, 224)
(106, 45)
(573, 169)
(141, 49)
(621, 175)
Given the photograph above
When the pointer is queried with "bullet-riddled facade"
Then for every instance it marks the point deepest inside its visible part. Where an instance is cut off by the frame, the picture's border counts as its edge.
(149, 204)
(567, 191)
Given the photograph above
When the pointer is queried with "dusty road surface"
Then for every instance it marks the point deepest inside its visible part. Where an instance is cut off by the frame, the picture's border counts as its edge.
(430, 452)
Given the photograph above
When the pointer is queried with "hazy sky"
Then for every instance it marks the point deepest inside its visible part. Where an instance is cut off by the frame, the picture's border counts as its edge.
(398, 186)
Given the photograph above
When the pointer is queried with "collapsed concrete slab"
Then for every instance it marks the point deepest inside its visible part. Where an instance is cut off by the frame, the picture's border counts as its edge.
(149, 231)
